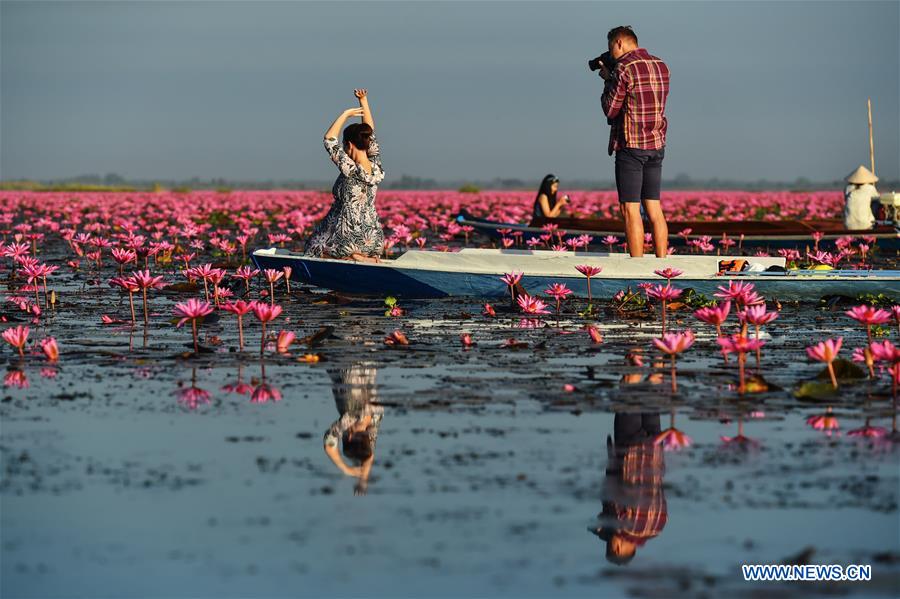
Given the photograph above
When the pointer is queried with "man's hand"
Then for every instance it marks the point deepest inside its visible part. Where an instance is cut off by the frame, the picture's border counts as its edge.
(360, 93)
(605, 74)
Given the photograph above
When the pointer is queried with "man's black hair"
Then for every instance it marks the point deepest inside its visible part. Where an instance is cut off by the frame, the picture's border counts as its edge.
(621, 31)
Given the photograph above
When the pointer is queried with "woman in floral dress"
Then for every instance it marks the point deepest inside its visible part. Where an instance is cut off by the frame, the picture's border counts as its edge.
(351, 229)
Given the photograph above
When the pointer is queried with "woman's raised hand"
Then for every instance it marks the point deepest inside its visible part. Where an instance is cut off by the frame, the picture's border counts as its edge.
(352, 112)
(360, 93)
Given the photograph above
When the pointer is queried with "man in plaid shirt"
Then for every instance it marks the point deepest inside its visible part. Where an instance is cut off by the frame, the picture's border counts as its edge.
(634, 100)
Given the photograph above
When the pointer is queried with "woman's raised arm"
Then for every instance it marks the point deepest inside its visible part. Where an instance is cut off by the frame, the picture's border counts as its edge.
(338, 123)
(363, 96)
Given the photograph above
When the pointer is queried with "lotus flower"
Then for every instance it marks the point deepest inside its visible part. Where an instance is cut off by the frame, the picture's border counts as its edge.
(192, 310)
(265, 314)
(665, 294)
(396, 338)
(559, 292)
(50, 349)
(715, 316)
(757, 316)
(673, 344)
(532, 305)
(596, 337)
(284, 340)
(489, 311)
(239, 308)
(512, 279)
(826, 351)
(17, 337)
(144, 280)
(741, 345)
(466, 340)
(589, 271)
(668, 273)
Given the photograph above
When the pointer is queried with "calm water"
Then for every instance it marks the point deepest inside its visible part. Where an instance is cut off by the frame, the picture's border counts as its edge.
(120, 478)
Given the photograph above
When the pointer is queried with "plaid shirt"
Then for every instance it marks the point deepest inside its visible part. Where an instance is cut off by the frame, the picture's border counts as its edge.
(634, 100)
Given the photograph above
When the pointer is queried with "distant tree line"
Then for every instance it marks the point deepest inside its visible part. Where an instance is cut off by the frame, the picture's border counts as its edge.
(116, 182)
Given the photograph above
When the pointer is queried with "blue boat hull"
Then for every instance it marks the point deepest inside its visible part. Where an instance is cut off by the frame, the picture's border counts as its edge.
(382, 280)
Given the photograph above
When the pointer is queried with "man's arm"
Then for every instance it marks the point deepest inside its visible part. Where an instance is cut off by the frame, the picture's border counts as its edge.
(614, 93)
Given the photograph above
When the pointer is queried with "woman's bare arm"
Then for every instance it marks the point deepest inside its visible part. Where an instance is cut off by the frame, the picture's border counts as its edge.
(338, 123)
(363, 96)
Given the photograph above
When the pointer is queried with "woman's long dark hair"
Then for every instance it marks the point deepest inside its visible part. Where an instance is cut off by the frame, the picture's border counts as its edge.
(548, 181)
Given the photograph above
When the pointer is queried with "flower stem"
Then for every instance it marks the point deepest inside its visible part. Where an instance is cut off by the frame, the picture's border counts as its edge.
(831, 374)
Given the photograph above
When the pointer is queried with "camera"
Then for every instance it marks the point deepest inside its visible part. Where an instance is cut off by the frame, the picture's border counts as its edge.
(605, 59)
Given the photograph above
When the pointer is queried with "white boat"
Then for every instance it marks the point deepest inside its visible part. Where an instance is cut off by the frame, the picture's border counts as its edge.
(478, 272)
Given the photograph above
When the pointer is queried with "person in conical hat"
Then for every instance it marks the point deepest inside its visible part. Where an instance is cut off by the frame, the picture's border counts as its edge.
(858, 196)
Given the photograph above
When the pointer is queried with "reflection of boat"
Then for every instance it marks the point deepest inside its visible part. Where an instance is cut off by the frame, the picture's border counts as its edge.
(775, 234)
(477, 272)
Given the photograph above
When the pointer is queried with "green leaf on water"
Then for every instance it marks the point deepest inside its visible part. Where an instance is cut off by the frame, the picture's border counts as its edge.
(844, 370)
(816, 390)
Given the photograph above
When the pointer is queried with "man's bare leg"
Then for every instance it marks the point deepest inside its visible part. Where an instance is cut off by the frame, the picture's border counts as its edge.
(634, 228)
(660, 228)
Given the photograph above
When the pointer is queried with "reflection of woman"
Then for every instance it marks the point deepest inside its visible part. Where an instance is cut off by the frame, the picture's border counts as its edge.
(357, 428)
(634, 503)
(546, 205)
(351, 228)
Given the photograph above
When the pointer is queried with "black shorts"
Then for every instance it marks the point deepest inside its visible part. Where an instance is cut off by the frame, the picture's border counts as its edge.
(639, 174)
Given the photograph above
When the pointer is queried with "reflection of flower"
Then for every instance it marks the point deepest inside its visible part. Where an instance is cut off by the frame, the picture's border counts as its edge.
(672, 439)
(48, 373)
(265, 392)
(827, 422)
(191, 397)
(740, 442)
(16, 378)
(868, 431)
(239, 387)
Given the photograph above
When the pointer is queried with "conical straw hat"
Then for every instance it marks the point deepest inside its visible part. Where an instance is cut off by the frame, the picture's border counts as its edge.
(861, 176)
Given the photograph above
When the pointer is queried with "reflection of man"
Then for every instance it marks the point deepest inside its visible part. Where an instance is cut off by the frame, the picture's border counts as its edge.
(634, 504)
(357, 429)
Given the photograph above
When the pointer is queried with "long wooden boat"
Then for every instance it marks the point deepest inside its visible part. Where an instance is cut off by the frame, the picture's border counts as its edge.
(478, 272)
(756, 234)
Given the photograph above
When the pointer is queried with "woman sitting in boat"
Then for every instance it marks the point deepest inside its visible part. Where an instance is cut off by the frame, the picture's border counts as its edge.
(351, 229)
(545, 204)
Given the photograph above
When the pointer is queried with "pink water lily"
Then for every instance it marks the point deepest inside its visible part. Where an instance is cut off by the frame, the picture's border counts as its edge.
(532, 305)
(512, 279)
(589, 271)
(466, 340)
(239, 309)
(265, 313)
(559, 292)
(673, 344)
(740, 345)
(284, 340)
(668, 273)
(757, 316)
(489, 311)
(17, 337)
(50, 349)
(826, 351)
(144, 280)
(665, 294)
(594, 333)
(192, 310)
(715, 316)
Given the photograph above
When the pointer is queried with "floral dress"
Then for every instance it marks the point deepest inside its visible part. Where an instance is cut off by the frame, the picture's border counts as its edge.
(351, 224)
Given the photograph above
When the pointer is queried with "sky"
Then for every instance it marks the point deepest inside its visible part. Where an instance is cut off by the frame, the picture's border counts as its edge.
(459, 90)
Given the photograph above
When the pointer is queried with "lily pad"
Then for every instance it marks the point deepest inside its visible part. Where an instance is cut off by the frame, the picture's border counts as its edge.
(816, 390)
(844, 370)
